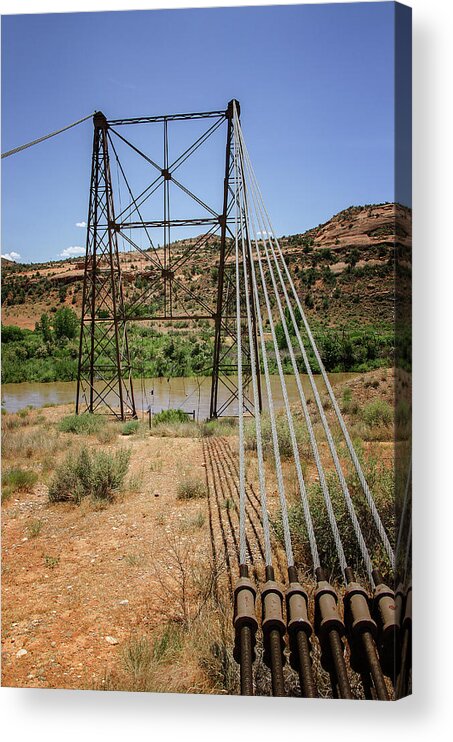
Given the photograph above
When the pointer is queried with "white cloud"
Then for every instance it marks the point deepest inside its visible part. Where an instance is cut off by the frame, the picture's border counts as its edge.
(71, 252)
(11, 255)
(81, 224)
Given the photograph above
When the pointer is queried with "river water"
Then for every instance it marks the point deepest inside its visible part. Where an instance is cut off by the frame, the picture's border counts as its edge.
(190, 394)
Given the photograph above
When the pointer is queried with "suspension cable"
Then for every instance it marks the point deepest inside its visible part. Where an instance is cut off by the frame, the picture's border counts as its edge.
(354, 458)
(347, 496)
(323, 483)
(242, 501)
(337, 410)
(303, 493)
(47, 136)
(253, 363)
(278, 465)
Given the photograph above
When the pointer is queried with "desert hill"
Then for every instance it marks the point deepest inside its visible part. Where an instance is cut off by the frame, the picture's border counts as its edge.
(343, 269)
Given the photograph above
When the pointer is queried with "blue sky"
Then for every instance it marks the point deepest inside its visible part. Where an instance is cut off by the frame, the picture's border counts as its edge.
(315, 85)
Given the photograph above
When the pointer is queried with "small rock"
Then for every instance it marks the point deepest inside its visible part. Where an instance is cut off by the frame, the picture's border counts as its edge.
(157, 494)
(124, 602)
(25, 538)
(21, 653)
(53, 644)
(111, 640)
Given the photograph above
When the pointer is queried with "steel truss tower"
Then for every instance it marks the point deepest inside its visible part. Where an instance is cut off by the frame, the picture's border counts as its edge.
(104, 374)
(104, 381)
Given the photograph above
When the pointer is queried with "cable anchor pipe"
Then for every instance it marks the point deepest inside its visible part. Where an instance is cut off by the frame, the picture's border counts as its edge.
(245, 627)
(299, 632)
(330, 630)
(362, 633)
(274, 630)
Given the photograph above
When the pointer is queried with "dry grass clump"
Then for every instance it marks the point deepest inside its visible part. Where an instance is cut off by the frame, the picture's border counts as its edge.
(284, 437)
(174, 429)
(191, 488)
(99, 475)
(108, 433)
(16, 420)
(86, 424)
(220, 427)
(17, 479)
(30, 444)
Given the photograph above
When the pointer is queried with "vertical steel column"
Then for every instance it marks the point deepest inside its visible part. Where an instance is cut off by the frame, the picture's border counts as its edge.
(113, 252)
(220, 284)
(91, 219)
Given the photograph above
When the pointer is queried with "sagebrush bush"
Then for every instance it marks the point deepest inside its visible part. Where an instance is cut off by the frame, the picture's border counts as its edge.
(381, 482)
(99, 475)
(86, 424)
(377, 412)
(130, 427)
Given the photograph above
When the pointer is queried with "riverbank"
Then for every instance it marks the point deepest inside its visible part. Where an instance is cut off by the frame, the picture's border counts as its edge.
(50, 352)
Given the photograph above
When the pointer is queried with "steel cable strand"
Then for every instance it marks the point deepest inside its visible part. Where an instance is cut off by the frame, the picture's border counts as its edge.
(309, 523)
(349, 503)
(365, 488)
(403, 515)
(43, 139)
(258, 429)
(242, 534)
(350, 506)
(314, 445)
(276, 449)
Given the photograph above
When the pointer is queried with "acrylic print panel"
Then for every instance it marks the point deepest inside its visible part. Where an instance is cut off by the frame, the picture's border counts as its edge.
(206, 351)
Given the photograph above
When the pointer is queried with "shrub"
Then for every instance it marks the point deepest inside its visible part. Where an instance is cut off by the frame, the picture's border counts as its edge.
(377, 412)
(11, 333)
(17, 480)
(86, 424)
(381, 482)
(170, 416)
(130, 427)
(99, 475)
(191, 488)
(222, 426)
(347, 396)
